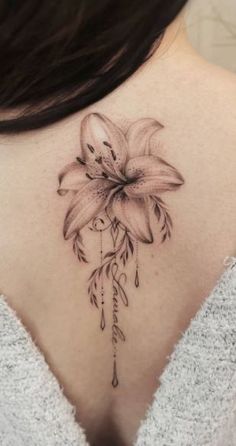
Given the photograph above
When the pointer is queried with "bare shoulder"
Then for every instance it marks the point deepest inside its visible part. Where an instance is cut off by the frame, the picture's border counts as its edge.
(221, 85)
(218, 95)
(224, 103)
(214, 97)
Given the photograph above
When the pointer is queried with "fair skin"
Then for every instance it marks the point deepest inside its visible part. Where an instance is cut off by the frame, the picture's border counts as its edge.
(47, 286)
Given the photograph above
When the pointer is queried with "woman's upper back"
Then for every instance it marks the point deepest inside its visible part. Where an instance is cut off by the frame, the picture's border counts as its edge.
(48, 286)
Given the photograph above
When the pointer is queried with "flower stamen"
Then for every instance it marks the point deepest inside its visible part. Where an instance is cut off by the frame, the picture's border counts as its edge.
(113, 155)
(99, 160)
(91, 148)
(80, 160)
(107, 144)
(89, 176)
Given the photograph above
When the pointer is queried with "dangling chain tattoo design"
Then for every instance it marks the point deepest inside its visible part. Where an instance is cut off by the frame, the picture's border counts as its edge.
(115, 185)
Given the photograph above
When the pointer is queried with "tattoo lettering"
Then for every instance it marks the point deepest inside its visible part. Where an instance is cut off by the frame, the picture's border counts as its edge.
(116, 185)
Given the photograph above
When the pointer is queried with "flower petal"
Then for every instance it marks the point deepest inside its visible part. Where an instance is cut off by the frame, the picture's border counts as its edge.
(72, 178)
(151, 175)
(139, 135)
(100, 138)
(86, 204)
(133, 213)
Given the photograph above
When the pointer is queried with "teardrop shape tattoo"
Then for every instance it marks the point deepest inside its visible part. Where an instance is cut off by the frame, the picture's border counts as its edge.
(116, 184)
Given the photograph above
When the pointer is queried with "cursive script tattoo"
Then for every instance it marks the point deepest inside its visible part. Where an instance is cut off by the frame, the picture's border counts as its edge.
(116, 185)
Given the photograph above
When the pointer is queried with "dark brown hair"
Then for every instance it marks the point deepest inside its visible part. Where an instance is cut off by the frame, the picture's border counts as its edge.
(59, 56)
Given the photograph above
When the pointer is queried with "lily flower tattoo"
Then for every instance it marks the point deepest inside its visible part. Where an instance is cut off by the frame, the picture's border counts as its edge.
(116, 186)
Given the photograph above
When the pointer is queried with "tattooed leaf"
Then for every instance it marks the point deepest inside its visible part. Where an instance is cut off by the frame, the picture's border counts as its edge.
(95, 300)
(108, 267)
(110, 254)
(164, 237)
(92, 274)
(99, 272)
(157, 212)
(131, 246)
(161, 201)
(169, 220)
(79, 252)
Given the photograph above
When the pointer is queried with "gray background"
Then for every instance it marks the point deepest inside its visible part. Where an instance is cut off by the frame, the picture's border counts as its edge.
(211, 26)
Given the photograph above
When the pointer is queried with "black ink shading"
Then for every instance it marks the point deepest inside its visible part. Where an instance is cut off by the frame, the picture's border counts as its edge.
(115, 185)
